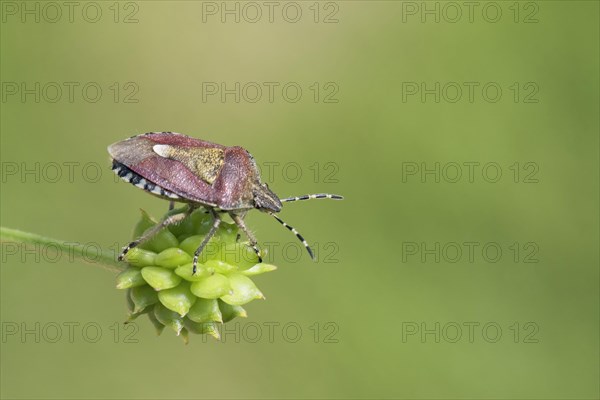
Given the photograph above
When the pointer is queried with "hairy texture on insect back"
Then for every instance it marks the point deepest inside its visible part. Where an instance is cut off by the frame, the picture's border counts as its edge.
(235, 181)
(177, 139)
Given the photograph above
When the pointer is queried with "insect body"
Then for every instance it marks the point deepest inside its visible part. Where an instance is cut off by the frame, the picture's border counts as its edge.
(218, 178)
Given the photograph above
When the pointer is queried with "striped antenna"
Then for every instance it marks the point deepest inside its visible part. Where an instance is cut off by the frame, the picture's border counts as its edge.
(295, 232)
(313, 196)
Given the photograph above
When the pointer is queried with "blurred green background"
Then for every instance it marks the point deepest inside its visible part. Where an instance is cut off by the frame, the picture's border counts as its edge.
(386, 312)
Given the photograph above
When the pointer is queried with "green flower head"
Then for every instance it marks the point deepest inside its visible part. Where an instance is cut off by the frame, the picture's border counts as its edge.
(160, 282)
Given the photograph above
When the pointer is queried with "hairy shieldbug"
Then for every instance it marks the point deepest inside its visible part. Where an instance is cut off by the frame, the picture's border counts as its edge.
(218, 178)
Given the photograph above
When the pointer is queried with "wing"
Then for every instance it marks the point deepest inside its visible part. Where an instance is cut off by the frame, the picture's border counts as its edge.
(183, 165)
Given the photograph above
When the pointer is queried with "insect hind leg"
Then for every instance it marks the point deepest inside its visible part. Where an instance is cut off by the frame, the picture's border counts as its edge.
(239, 221)
(170, 220)
(210, 234)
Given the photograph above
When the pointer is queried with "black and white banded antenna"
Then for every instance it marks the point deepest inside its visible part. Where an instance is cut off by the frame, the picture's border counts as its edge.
(304, 197)
(295, 232)
(313, 196)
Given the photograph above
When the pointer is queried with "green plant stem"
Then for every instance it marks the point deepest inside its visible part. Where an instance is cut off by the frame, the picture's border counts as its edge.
(78, 251)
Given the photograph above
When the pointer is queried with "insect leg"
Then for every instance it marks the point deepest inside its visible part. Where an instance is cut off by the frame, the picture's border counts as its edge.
(170, 220)
(171, 205)
(211, 233)
(239, 221)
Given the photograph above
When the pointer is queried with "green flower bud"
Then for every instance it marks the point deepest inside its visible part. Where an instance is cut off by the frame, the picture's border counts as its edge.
(201, 328)
(201, 222)
(183, 227)
(185, 335)
(160, 278)
(191, 243)
(198, 223)
(142, 297)
(237, 254)
(178, 299)
(258, 269)
(133, 314)
(211, 287)
(159, 326)
(220, 266)
(163, 240)
(205, 310)
(229, 312)
(172, 258)
(131, 277)
(143, 224)
(130, 303)
(244, 291)
(139, 257)
(227, 232)
(186, 272)
(168, 318)
(174, 211)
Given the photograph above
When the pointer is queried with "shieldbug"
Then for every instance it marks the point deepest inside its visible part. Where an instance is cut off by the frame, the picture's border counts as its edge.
(219, 178)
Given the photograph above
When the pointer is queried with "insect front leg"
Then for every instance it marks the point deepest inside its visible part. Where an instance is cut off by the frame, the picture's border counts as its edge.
(239, 221)
(211, 233)
(170, 220)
